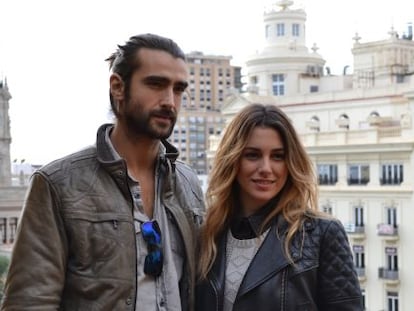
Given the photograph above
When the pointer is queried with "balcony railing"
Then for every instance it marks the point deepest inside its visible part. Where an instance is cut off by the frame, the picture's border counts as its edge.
(391, 181)
(387, 274)
(324, 180)
(358, 181)
(387, 230)
(355, 231)
(360, 272)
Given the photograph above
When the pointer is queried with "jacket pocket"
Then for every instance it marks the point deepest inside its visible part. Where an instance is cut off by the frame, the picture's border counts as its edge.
(95, 238)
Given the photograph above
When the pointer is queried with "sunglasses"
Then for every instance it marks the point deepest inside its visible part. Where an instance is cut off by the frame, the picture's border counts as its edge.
(152, 236)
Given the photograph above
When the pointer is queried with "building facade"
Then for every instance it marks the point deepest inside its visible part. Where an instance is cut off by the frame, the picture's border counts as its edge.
(11, 196)
(211, 79)
(358, 130)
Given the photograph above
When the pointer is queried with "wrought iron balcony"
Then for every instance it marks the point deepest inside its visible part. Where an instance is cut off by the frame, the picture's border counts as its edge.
(391, 276)
(355, 231)
(361, 273)
(389, 232)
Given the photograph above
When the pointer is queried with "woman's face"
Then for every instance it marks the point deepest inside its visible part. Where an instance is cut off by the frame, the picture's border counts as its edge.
(263, 171)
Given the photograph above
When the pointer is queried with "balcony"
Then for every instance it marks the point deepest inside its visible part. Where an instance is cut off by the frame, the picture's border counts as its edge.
(358, 181)
(356, 232)
(390, 276)
(325, 180)
(361, 274)
(389, 232)
(391, 181)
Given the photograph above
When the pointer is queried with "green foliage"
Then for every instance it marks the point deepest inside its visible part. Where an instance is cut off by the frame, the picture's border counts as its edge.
(4, 265)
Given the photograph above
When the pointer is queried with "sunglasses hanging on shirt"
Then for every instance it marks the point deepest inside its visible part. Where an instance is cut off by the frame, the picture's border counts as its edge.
(152, 236)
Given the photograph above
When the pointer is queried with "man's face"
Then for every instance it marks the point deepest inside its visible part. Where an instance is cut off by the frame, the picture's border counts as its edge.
(155, 95)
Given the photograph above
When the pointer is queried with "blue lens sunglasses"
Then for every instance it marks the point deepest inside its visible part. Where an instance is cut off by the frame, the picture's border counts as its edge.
(152, 236)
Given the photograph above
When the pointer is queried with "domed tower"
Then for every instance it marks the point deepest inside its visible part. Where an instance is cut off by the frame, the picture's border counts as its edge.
(285, 64)
(5, 137)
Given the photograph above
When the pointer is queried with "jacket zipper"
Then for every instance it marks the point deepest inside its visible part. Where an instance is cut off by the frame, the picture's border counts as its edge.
(215, 294)
(283, 290)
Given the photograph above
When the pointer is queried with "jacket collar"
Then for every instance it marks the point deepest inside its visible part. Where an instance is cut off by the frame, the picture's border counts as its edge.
(117, 168)
(167, 150)
(251, 227)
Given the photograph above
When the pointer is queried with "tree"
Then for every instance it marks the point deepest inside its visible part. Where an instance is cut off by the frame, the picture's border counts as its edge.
(4, 266)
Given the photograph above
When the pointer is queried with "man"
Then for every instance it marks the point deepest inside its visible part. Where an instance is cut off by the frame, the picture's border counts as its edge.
(113, 227)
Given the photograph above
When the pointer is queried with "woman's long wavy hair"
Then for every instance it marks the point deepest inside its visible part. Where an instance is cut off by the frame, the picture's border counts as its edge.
(298, 197)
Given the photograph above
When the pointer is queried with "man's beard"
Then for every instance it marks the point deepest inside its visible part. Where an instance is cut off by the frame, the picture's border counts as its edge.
(138, 122)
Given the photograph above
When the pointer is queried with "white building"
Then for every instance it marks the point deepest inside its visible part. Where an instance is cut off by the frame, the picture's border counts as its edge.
(358, 130)
(11, 196)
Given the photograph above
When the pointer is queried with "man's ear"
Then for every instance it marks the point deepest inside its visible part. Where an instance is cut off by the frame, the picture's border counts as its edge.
(117, 87)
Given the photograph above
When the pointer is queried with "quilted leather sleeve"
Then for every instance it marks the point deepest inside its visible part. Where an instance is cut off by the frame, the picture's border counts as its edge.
(338, 287)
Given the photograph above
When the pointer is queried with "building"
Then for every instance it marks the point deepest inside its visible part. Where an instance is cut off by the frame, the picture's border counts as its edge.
(11, 196)
(211, 79)
(358, 130)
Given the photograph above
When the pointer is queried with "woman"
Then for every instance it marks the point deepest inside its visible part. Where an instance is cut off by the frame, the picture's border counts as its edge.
(264, 244)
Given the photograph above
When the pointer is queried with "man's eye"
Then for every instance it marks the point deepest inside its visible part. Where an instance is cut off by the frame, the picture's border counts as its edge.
(179, 90)
(155, 84)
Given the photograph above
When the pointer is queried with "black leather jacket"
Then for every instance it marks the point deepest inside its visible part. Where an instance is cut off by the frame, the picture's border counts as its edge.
(323, 277)
(75, 244)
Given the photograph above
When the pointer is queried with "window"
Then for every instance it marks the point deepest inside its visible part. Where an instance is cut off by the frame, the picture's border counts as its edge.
(359, 216)
(359, 256)
(391, 213)
(327, 208)
(358, 174)
(295, 30)
(327, 174)
(343, 121)
(363, 299)
(392, 301)
(392, 258)
(254, 80)
(314, 88)
(392, 174)
(3, 230)
(400, 78)
(280, 30)
(314, 124)
(278, 84)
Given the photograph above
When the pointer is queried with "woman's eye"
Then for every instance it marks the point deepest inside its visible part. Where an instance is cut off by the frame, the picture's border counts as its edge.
(279, 156)
(251, 155)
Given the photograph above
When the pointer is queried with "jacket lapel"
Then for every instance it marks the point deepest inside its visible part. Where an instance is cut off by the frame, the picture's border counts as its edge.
(268, 261)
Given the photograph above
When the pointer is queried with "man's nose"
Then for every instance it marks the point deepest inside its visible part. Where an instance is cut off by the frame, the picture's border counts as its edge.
(168, 97)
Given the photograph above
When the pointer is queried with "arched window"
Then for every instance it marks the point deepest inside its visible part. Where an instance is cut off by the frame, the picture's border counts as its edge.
(314, 123)
(343, 121)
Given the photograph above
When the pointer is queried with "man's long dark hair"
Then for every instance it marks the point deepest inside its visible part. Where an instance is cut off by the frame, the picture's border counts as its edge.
(124, 60)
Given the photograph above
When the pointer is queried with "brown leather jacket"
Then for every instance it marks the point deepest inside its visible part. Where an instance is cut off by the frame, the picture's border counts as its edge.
(75, 244)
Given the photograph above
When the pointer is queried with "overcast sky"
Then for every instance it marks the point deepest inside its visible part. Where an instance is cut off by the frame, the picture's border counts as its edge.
(52, 52)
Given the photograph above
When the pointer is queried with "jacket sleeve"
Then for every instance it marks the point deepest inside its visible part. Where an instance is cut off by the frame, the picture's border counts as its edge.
(338, 285)
(37, 269)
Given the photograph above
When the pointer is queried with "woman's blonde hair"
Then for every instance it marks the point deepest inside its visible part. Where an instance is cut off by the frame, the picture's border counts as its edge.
(299, 195)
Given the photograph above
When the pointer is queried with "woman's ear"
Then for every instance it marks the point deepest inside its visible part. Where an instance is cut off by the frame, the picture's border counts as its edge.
(117, 87)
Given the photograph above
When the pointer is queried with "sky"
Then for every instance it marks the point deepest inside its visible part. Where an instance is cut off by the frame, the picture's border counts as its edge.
(52, 52)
